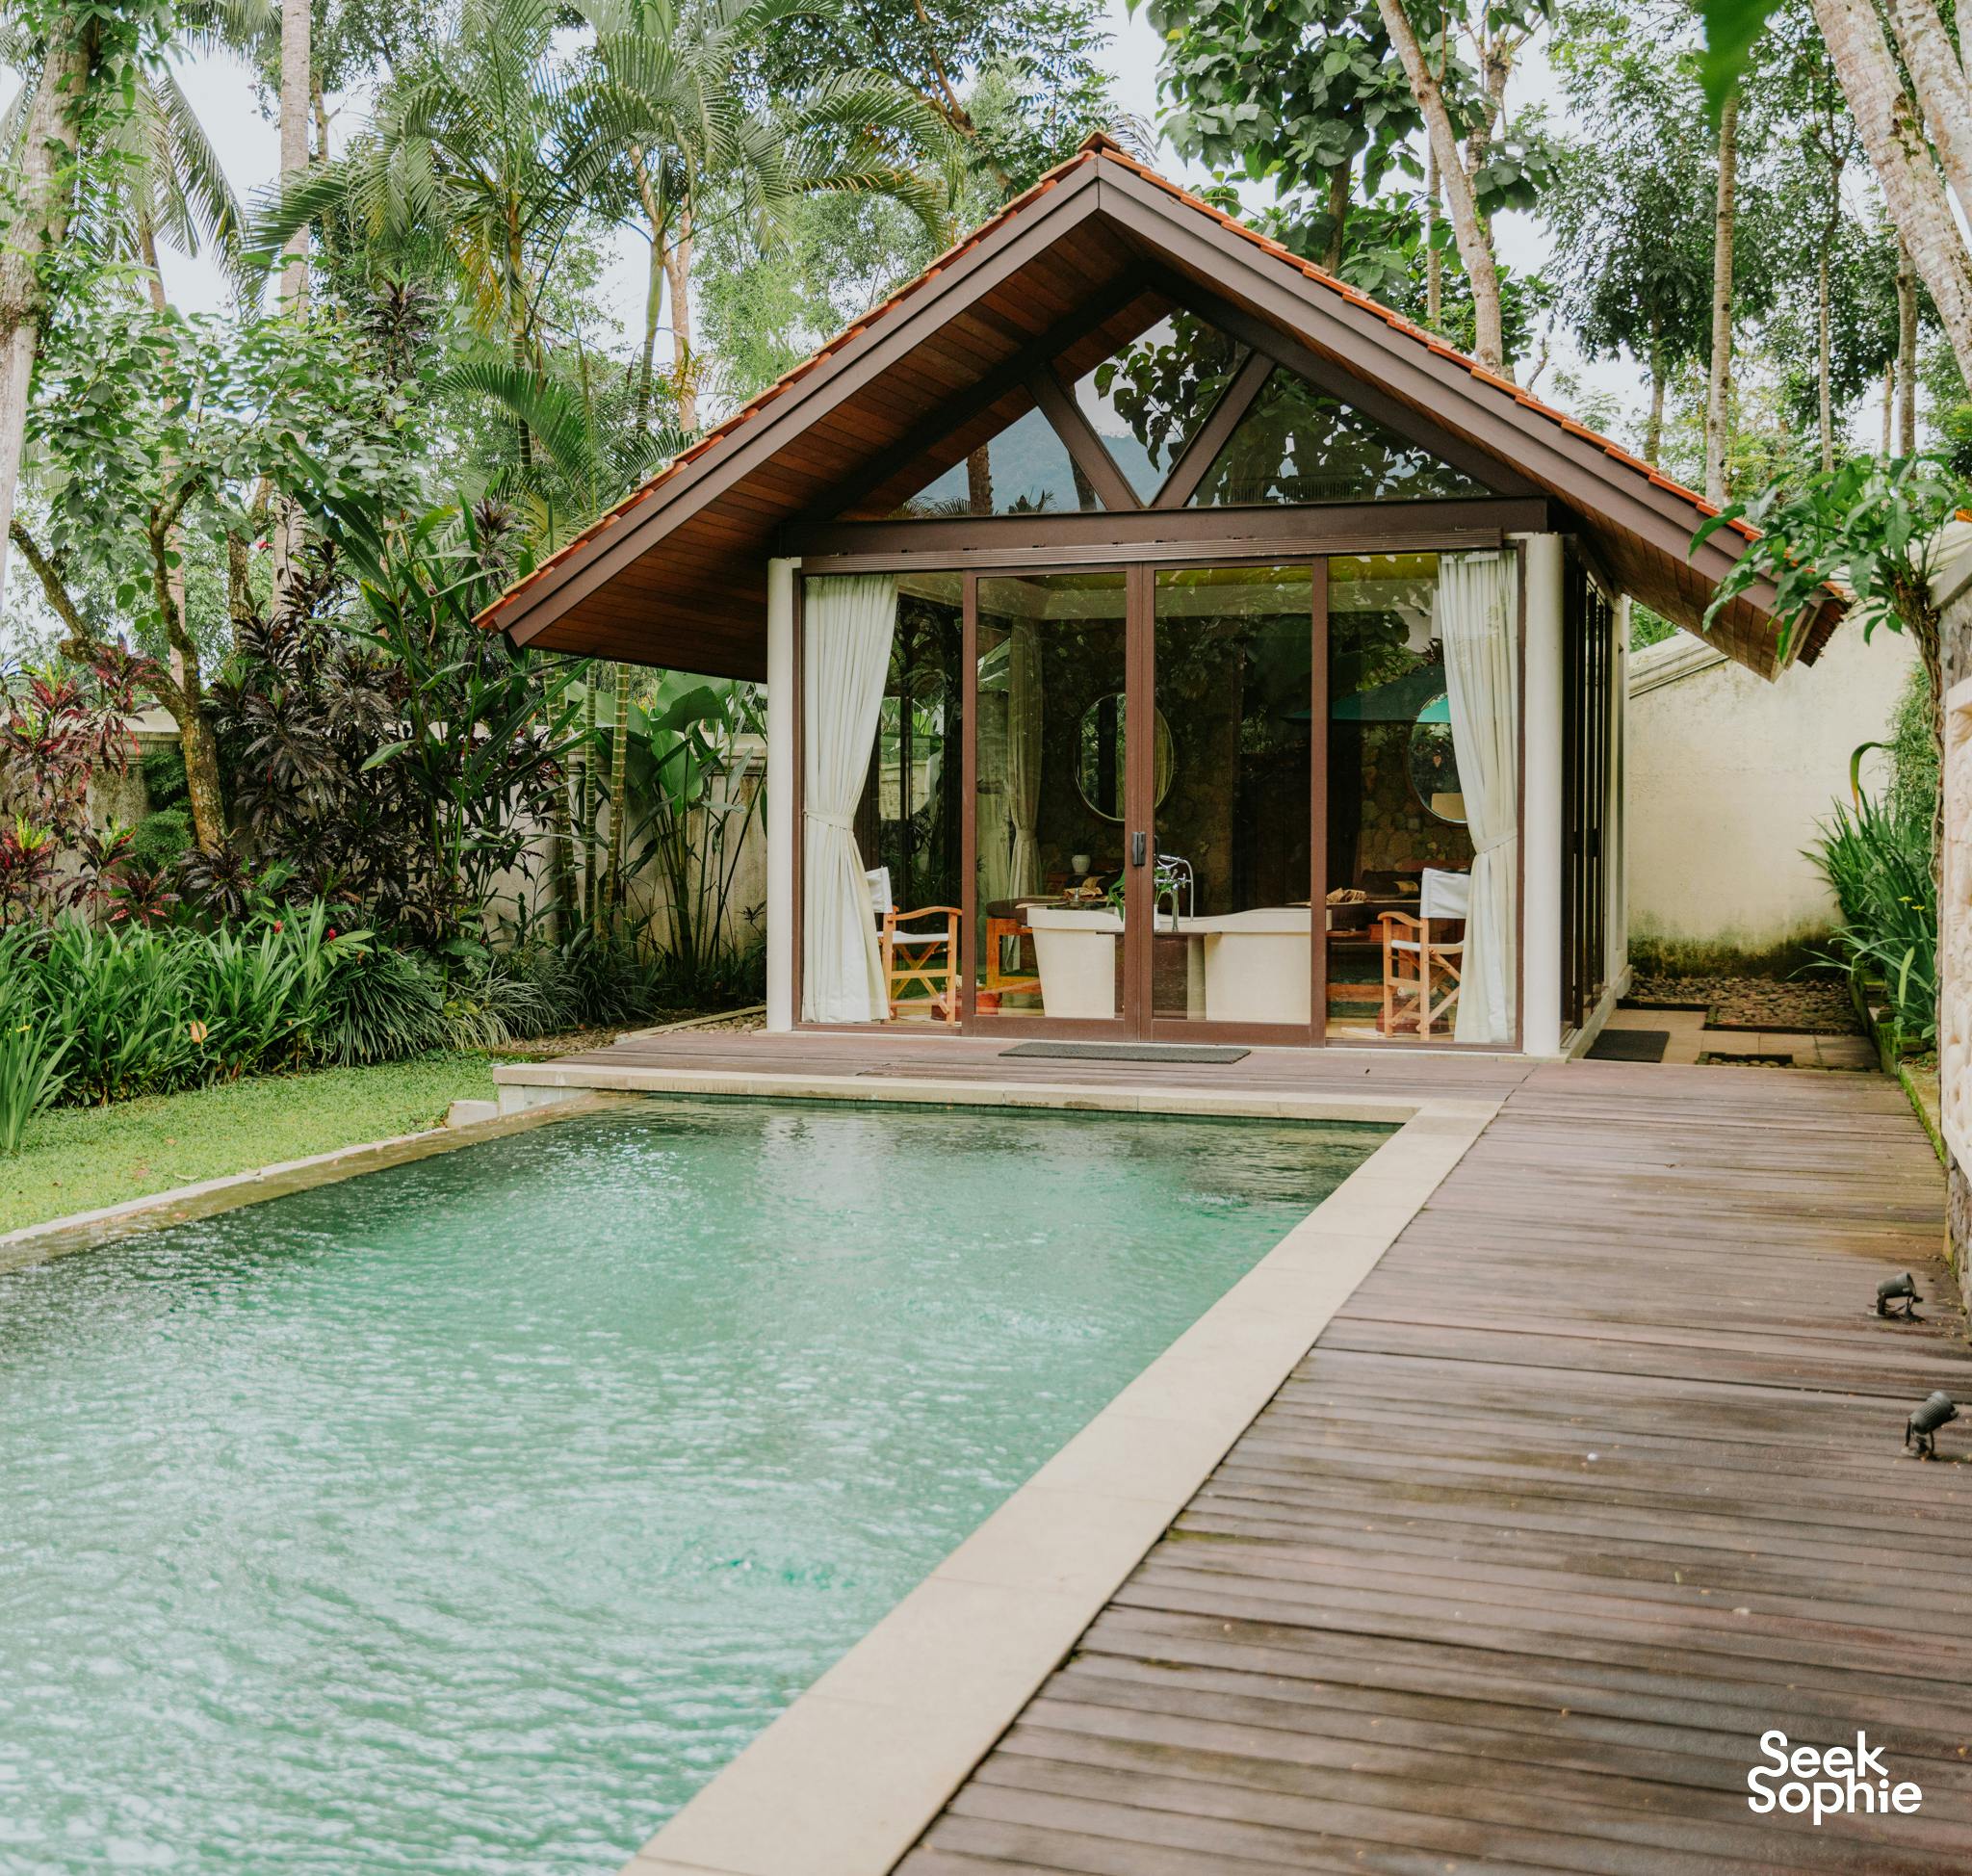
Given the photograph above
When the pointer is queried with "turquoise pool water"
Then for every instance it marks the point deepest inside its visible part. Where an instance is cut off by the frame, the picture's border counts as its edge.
(468, 1516)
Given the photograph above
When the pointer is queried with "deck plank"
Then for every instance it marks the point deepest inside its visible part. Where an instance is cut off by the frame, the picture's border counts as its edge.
(1410, 1625)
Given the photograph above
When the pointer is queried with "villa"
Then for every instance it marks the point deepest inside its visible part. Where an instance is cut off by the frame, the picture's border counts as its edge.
(1164, 643)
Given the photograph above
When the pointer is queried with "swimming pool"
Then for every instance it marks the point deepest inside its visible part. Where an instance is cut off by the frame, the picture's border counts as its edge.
(469, 1515)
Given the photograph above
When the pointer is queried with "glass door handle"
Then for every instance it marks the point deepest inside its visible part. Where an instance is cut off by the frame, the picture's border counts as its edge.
(1139, 848)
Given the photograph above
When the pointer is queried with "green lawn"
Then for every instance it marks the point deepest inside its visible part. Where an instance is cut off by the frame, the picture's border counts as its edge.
(77, 1158)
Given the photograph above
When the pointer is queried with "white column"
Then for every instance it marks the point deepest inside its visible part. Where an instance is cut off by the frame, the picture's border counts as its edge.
(1541, 811)
(783, 717)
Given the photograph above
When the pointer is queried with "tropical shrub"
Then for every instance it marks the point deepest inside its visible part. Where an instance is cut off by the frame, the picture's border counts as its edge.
(32, 1050)
(379, 1004)
(30, 1075)
(120, 996)
(60, 729)
(1877, 858)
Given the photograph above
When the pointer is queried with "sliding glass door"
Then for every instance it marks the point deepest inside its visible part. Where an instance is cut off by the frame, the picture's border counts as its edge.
(1050, 916)
(1232, 867)
(1143, 798)
(1271, 803)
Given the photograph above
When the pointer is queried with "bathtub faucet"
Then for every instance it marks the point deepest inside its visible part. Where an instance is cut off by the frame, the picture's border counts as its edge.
(1174, 875)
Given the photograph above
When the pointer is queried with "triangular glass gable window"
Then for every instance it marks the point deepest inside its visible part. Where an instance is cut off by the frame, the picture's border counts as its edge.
(1148, 399)
(1026, 470)
(1299, 445)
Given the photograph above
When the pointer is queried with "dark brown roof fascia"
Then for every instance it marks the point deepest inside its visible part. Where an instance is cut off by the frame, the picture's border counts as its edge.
(693, 484)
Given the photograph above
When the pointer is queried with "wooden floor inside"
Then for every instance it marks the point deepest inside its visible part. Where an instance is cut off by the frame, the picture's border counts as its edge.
(1594, 1479)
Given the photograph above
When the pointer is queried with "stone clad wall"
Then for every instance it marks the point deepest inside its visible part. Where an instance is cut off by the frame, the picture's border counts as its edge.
(1955, 917)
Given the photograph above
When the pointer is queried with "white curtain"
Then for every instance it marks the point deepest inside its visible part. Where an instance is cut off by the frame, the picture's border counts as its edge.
(1475, 625)
(1023, 758)
(845, 660)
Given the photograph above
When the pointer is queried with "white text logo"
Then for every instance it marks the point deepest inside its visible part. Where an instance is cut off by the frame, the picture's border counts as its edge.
(1825, 1781)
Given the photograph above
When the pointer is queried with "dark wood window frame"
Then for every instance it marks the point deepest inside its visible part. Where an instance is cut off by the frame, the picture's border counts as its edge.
(1589, 668)
(1035, 368)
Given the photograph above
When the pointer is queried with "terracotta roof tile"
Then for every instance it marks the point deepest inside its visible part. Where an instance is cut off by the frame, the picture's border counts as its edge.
(1097, 148)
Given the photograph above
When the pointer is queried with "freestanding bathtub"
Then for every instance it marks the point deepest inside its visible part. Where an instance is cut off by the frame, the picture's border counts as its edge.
(1241, 967)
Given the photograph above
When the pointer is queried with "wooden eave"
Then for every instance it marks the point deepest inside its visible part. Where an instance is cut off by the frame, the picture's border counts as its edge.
(1089, 258)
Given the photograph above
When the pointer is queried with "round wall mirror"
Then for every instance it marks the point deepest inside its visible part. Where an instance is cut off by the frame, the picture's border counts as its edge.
(1102, 749)
(1434, 762)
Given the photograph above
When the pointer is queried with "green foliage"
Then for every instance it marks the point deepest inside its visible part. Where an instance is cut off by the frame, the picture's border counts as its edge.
(162, 768)
(1631, 207)
(147, 421)
(695, 789)
(31, 1075)
(1914, 766)
(161, 838)
(139, 1009)
(1877, 858)
(379, 1004)
(1648, 628)
(1732, 26)
(1870, 525)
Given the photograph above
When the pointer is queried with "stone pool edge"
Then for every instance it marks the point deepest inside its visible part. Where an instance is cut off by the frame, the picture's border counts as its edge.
(848, 1777)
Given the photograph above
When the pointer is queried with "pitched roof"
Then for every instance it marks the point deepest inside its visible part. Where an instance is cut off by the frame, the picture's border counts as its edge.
(675, 572)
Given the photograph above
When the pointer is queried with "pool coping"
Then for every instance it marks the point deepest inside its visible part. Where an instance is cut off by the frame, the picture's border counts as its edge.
(848, 1778)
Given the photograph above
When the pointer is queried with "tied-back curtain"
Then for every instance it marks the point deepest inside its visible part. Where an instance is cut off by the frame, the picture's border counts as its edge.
(850, 624)
(1475, 625)
(1024, 757)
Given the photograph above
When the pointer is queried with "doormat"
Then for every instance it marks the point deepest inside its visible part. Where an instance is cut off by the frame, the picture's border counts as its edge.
(1629, 1046)
(1130, 1051)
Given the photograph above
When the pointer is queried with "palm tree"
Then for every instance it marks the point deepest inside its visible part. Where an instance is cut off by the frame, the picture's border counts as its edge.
(669, 86)
(476, 162)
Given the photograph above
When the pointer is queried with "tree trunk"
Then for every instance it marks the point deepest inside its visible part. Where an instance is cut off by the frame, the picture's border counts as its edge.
(296, 104)
(619, 789)
(1653, 428)
(1824, 364)
(183, 694)
(1475, 246)
(1339, 216)
(980, 481)
(1944, 99)
(1889, 406)
(1719, 392)
(561, 861)
(160, 305)
(585, 810)
(1906, 355)
(45, 194)
(1433, 261)
(1913, 192)
(654, 290)
(678, 276)
(653, 311)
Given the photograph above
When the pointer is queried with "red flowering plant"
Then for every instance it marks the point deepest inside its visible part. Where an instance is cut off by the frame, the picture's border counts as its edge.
(61, 729)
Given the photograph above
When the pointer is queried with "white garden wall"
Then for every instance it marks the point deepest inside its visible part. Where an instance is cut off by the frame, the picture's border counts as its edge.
(1729, 775)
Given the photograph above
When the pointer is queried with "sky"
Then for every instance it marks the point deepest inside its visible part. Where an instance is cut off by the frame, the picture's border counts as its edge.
(245, 139)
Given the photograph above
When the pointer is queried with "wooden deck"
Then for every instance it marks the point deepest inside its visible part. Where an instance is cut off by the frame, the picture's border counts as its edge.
(1395, 1070)
(1593, 1480)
